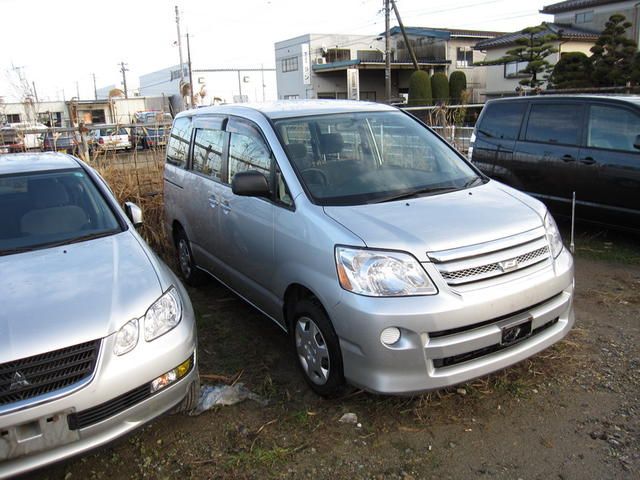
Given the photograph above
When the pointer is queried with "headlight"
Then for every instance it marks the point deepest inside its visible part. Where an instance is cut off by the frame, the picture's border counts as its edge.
(381, 274)
(126, 337)
(163, 315)
(553, 235)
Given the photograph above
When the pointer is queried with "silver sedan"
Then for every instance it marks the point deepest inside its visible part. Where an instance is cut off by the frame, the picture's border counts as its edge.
(97, 335)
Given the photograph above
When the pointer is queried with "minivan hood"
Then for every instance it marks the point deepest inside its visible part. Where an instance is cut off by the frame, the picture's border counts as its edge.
(439, 222)
(58, 297)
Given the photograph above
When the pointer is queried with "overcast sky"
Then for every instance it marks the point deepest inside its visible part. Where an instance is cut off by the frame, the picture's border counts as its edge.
(56, 43)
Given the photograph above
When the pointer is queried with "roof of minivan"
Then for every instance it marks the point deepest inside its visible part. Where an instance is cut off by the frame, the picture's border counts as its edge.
(622, 98)
(293, 108)
(35, 162)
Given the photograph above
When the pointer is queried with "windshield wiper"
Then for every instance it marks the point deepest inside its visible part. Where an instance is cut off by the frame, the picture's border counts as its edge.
(60, 243)
(416, 192)
(11, 251)
(472, 182)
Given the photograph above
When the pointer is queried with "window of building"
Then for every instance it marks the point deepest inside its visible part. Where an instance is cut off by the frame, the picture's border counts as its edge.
(98, 116)
(13, 118)
(338, 55)
(514, 69)
(178, 144)
(584, 17)
(247, 151)
(554, 124)
(613, 128)
(368, 96)
(291, 97)
(290, 64)
(51, 119)
(464, 57)
(332, 95)
(207, 152)
(370, 55)
(502, 120)
(175, 74)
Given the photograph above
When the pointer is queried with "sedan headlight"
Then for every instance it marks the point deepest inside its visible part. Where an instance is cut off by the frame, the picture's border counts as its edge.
(381, 273)
(163, 315)
(553, 235)
(126, 337)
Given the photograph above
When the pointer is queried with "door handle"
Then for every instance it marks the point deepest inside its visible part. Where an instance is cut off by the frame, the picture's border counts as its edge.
(568, 158)
(587, 160)
(226, 208)
(213, 201)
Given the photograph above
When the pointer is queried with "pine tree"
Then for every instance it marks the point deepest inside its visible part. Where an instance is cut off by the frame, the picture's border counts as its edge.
(573, 70)
(613, 54)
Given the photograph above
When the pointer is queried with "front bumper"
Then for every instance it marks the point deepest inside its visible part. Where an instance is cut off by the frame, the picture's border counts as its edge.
(45, 431)
(456, 335)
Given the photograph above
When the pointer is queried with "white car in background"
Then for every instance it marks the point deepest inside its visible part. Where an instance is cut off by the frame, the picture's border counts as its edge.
(110, 138)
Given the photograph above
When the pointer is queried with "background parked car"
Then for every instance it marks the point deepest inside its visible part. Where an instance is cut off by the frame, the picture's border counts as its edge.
(97, 334)
(149, 136)
(67, 142)
(552, 146)
(110, 138)
(22, 136)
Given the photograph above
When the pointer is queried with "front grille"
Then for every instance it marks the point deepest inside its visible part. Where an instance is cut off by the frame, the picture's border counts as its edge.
(500, 257)
(468, 356)
(34, 376)
(105, 410)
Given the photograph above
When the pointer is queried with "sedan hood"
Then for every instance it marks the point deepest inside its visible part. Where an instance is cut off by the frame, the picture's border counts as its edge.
(58, 297)
(439, 222)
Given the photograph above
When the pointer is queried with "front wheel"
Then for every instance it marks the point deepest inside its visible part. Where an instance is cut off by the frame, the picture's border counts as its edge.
(317, 348)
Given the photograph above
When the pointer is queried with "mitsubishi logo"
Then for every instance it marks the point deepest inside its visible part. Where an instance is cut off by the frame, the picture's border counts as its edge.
(18, 381)
(508, 265)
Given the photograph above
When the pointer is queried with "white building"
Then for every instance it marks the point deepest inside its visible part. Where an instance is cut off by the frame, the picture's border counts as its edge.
(319, 65)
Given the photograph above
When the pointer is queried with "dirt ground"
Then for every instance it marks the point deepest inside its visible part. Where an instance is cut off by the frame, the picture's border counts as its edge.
(571, 412)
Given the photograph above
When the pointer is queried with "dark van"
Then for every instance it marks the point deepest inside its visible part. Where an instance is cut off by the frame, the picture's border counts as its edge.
(552, 146)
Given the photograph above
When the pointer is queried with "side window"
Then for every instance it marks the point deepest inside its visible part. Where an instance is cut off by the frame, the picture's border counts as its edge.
(553, 123)
(283, 196)
(178, 144)
(247, 151)
(613, 128)
(503, 119)
(207, 152)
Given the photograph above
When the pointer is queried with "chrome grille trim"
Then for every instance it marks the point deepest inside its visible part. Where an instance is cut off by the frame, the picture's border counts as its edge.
(460, 269)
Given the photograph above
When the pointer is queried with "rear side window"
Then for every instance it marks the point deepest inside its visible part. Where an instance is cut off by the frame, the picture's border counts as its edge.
(178, 144)
(554, 123)
(207, 152)
(613, 128)
(502, 119)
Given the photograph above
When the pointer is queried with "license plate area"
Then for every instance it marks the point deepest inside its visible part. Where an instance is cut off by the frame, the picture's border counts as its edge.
(36, 435)
(513, 332)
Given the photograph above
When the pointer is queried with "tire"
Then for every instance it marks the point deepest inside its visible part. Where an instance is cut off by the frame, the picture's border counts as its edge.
(190, 401)
(190, 272)
(317, 349)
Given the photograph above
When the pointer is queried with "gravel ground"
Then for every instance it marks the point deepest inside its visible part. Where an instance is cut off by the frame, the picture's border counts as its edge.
(571, 412)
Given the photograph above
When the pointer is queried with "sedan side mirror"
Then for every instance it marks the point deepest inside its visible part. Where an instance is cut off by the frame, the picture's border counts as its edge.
(250, 184)
(636, 144)
(134, 213)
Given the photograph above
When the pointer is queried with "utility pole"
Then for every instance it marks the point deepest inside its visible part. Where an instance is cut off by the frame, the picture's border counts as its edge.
(240, 85)
(95, 90)
(35, 92)
(77, 90)
(123, 69)
(387, 58)
(180, 54)
(404, 35)
(263, 85)
(193, 103)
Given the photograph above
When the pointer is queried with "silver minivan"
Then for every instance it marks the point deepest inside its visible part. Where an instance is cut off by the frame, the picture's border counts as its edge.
(391, 262)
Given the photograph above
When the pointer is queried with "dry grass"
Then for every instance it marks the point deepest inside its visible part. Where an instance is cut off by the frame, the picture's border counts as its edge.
(137, 177)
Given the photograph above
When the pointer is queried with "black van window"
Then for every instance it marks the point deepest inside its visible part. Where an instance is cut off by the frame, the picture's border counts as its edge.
(613, 128)
(207, 152)
(554, 123)
(178, 144)
(502, 119)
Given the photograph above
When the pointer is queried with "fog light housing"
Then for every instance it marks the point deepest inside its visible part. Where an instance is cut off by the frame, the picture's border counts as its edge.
(172, 376)
(390, 335)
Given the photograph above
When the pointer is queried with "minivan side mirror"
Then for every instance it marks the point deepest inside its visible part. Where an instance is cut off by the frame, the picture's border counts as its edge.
(636, 144)
(250, 184)
(134, 213)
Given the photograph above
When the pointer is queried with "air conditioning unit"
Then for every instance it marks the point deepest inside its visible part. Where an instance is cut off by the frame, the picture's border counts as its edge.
(321, 61)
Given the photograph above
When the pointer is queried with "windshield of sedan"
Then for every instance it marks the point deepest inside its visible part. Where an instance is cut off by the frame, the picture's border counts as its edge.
(44, 209)
(370, 157)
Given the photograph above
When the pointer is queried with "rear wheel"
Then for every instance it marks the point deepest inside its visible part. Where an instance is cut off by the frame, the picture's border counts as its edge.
(317, 348)
(190, 272)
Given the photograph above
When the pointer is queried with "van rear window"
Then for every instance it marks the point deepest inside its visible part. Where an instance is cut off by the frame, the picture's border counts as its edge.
(502, 119)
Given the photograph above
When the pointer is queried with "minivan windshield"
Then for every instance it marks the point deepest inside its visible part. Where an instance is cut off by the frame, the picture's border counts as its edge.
(44, 209)
(370, 157)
